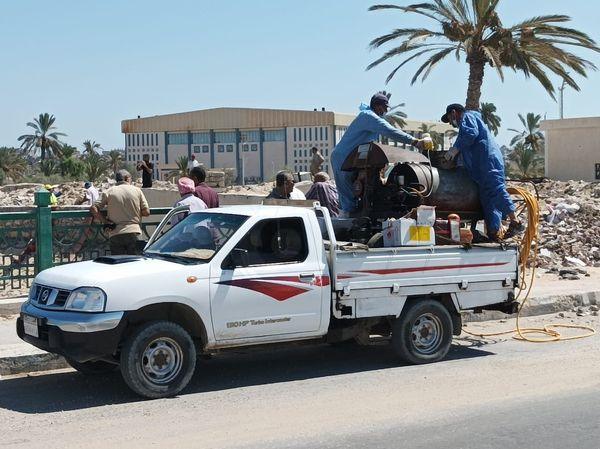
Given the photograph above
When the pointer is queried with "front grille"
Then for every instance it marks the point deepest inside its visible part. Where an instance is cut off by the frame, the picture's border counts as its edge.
(49, 297)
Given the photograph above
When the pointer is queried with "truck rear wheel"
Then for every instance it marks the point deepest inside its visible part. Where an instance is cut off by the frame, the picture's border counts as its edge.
(158, 359)
(423, 332)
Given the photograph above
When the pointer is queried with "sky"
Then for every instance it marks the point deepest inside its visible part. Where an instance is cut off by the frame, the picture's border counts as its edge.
(95, 63)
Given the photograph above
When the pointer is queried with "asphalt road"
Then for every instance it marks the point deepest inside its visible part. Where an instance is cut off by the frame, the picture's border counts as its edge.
(494, 394)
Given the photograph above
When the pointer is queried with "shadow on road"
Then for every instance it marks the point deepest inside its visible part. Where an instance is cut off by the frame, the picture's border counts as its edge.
(241, 368)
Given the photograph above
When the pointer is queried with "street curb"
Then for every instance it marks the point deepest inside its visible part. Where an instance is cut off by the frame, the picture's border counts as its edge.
(11, 306)
(31, 363)
(541, 305)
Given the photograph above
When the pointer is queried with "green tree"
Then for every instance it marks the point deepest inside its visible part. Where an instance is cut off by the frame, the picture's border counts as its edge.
(531, 136)
(181, 170)
(48, 167)
(473, 30)
(90, 146)
(95, 166)
(489, 117)
(115, 159)
(525, 162)
(69, 164)
(44, 137)
(12, 164)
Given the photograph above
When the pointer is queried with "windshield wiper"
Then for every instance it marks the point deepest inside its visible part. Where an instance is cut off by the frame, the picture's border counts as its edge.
(173, 257)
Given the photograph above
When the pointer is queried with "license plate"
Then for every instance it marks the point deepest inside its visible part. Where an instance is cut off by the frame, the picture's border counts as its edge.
(30, 326)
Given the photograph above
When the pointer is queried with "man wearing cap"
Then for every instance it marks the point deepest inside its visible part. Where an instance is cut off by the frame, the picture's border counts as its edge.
(366, 127)
(484, 163)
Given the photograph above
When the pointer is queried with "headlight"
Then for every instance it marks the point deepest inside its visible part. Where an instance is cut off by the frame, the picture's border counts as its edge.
(86, 299)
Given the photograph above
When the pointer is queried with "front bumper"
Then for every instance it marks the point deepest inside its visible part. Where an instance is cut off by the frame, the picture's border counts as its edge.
(77, 335)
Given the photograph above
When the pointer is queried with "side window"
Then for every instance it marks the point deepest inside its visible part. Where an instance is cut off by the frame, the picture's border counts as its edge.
(276, 241)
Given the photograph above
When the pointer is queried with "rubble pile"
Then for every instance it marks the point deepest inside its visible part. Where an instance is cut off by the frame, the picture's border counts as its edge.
(569, 226)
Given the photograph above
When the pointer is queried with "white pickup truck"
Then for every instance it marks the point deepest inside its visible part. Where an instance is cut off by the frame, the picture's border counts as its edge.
(256, 275)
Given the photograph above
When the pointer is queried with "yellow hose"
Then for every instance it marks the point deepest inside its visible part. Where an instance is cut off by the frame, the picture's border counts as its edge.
(529, 241)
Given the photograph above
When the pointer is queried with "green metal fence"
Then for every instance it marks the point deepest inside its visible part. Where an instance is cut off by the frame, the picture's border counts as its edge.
(40, 238)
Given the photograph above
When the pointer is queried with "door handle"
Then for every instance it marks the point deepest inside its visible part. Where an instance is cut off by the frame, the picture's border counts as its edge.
(306, 277)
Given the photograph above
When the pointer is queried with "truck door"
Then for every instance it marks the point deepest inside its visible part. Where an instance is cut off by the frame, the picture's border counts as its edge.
(270, 283)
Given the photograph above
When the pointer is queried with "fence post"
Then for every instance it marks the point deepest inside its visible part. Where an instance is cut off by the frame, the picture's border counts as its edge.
(43, 231)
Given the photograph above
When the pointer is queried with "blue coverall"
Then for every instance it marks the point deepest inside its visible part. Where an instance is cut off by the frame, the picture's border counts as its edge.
(366, 127)
(484, 163)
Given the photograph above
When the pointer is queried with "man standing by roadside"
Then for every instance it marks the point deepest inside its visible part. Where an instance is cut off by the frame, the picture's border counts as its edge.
(204, 192)
(146, 167)
(316, 161)
(192, 163)
(126, 205)
(90, 195)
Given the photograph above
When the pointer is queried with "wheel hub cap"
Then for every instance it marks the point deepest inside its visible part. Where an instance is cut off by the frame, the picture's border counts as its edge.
(162, 360)
(426, 333)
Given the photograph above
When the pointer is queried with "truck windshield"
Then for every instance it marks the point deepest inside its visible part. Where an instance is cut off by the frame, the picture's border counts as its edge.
(196, 238)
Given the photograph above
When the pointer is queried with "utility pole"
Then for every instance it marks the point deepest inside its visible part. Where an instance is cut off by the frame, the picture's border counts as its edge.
(562, 98)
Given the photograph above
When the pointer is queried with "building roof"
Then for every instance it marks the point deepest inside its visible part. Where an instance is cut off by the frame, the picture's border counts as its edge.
(243, 118)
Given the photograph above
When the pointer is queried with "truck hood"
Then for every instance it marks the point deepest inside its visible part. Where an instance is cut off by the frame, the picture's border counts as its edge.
(137, 272)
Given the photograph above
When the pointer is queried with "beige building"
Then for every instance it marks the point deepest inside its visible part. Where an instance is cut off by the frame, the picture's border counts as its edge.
(573, 148)
(257, 142)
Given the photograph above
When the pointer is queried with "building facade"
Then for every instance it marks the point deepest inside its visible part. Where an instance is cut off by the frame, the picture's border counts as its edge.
(256, 142)
(572, 150)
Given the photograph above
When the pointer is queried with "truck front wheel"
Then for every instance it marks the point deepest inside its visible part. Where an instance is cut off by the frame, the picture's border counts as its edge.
(158, 359)
(423, 332)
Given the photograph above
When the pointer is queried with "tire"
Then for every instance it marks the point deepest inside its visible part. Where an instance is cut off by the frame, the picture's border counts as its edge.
(158, 359)
(423, 332)
(93, 368)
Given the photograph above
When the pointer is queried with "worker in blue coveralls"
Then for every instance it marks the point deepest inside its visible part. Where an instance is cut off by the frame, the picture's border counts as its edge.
(483, 161)
(365, 128)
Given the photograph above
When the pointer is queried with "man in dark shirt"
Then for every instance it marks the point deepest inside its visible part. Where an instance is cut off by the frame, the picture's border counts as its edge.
(146, 167)
(204, 192)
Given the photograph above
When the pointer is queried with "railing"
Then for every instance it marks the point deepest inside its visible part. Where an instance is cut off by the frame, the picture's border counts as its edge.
(41, 238)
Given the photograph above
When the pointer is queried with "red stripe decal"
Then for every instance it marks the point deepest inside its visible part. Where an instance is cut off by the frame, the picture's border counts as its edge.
(282, 278)
(441, 267)
(322, 281)
(280, 292)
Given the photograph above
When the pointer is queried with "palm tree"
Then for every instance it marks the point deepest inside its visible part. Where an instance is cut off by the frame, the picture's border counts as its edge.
(474, 30)
(115, 159)
(12, 164)
(95, 166)
(48, 167)
(489, 117)
(43, 138)
(394, 116)
(90, 146)
(181, 170)
(530, 135)
(526, 161)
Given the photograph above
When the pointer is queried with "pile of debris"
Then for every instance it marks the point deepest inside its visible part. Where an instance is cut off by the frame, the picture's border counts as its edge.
(569, 226)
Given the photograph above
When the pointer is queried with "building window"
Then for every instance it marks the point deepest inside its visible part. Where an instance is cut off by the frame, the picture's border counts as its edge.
(245, 147)
(197, 149)
(326, 133)
(305, 153)
(221, 148)
(305, 134)
(148, 139)
(156, 139)
(254, 147)
(199, 138)
(152, 139)
(229, 148)
(205, 148)
(137, 138)
(309, 133)
(294, 134)
(326, 152)
(275, 135)
(225, 137)
(177, 139)
(598, 171)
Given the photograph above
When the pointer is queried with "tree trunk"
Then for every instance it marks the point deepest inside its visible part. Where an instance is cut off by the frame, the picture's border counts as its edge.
(476, 69)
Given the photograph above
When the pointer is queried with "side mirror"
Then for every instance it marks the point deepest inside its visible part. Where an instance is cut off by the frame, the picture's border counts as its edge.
(238, 257)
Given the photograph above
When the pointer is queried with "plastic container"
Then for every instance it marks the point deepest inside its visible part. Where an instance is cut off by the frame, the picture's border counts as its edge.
(427, 142)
